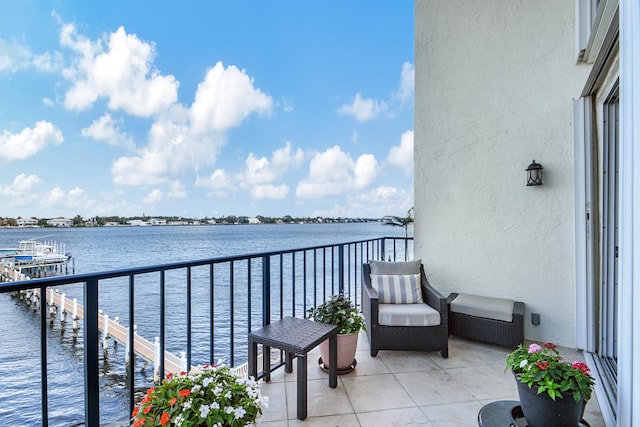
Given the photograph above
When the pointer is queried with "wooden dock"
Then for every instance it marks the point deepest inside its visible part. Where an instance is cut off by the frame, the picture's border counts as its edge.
(60, 305)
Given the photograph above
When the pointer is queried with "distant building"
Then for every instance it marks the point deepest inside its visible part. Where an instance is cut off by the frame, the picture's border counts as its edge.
(254, 221)
(60, 222)
(137, 222)
(27, 222)
(157, 221)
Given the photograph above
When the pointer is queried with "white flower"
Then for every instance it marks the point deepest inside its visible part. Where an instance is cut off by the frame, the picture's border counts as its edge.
(239, 412)
(228, 409)
(214, 406)
(207, 381)
(228, 395)
(187, 405)
(204, 411)
(523, 363)
(179, 420)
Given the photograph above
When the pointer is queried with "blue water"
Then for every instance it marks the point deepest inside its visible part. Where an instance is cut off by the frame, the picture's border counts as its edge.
(110, 248)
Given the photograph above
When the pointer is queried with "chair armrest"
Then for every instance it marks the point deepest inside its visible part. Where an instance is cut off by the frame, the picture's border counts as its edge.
(434, 298)
(369, 298)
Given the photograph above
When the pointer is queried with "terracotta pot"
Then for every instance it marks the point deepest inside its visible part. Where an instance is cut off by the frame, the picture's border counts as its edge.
(542, 411)
(347, 344)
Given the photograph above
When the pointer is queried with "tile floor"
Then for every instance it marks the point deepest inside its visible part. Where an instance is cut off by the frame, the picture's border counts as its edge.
(399, 388)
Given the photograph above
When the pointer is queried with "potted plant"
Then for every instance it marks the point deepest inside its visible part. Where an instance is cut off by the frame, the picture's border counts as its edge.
(553, 392)
(207, 396)
(341, 312)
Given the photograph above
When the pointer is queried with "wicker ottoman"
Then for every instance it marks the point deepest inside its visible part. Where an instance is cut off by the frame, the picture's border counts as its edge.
(491, 320)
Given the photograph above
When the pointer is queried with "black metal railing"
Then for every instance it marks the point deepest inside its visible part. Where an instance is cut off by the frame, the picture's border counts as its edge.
(233, 294)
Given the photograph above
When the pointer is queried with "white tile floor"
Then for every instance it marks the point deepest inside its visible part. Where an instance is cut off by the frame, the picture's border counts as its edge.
(399, 388)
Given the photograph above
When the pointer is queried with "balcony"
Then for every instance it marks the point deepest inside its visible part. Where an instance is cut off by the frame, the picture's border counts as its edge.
(398, 388)
(394, 388)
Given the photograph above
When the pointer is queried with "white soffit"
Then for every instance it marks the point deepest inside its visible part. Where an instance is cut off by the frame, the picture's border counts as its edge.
(605, 18)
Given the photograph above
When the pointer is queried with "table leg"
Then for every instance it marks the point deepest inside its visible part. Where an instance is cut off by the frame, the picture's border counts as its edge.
(302, 386)
(266, 362)
(253, 358)
(288, 362)
(333, 361)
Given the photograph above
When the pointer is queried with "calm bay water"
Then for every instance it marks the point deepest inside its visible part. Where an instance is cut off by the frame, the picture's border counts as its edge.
(110, 248)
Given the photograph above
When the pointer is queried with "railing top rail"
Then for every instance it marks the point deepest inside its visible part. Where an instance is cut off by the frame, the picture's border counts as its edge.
(110, 274)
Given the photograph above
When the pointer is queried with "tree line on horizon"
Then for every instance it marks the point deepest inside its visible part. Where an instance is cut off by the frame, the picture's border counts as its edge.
(79, 221)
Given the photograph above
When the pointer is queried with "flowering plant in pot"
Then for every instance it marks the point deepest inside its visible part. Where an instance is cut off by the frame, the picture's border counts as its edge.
(339, 311)
(541, 371)
(207, 396)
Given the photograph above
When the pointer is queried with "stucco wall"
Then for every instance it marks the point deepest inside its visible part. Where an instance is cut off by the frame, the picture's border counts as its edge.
(494, 88)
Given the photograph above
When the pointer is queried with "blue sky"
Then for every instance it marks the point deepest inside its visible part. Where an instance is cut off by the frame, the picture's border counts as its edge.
(206, 108)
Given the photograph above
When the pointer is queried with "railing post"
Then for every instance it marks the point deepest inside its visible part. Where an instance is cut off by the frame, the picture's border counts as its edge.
(384, 258)
(266, 290)
(341, 269)
(91, 364)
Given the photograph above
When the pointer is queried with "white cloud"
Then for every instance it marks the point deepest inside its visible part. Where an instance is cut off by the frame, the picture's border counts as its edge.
(56, 198)
(225, 98)
(21, 185)
(15, 56)
(407, 83)
(183, 138)
(402, 155)
(153, 197)
(121, 72)
(107, 129)
(264, 171)
(333, 172)
(177, 190)
(218, 180)
(363, 109)
(375, 203)
(269, 191)
(29, 142)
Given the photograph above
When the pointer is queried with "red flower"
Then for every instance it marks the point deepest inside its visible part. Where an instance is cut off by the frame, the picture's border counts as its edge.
(169, 375)
(164, 420)
(581, 366)
(550, 345)
(542, 365)
(135, 411)
(139, 422)
(151, 390)
(184, 393)
(173, 401)
(147, 409)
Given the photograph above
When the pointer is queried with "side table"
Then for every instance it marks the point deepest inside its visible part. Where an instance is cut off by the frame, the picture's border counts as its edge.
(296, 337)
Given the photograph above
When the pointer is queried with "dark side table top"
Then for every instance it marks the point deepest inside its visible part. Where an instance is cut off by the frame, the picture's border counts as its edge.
(293, 335)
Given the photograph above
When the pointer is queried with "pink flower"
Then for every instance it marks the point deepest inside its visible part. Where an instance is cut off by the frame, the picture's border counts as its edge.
(534, 348)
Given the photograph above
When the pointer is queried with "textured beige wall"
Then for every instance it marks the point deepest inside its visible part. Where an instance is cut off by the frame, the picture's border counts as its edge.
(494, 88)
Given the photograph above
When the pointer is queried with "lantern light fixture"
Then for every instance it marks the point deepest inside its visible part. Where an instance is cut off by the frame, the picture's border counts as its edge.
(534, 174)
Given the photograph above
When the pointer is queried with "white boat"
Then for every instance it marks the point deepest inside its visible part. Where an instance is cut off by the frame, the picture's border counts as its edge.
(33, 251)
(391, 220)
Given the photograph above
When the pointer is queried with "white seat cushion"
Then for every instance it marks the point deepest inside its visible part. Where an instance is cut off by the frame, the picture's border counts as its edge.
(484, 307)
(408, 315)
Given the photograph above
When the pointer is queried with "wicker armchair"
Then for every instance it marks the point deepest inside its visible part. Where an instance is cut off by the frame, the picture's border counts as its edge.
(400, 337)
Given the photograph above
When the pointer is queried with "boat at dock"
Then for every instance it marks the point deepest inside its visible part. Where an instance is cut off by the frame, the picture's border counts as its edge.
(33, 251)
(37, 258)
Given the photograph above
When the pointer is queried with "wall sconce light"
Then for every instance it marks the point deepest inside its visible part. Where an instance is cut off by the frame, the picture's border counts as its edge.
(534, 174)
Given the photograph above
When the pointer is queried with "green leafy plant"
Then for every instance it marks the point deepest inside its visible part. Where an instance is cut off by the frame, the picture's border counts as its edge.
(339, 311)
(543, 367)
(208, 396)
